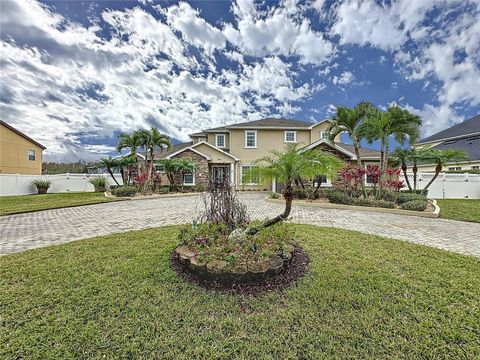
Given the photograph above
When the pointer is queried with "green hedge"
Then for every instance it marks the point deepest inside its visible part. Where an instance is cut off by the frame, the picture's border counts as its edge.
(415, 205)
(124, 191)
(406, 197)
(337, 197)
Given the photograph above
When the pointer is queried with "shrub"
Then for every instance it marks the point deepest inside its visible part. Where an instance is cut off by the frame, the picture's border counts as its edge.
(418, 191)
(390, 196)
(42, 185)
(124, 191)
(200, 188)
(337, 197)
(99, 183)
(274, 195)
(300, 193)
(385, 204)
(406, 197)
(364, 202)
(415, 205)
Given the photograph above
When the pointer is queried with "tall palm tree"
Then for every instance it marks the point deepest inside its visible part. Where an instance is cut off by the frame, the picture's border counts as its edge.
(348, 121)
(288, 165)
(132, 142)
(126, 163)
(441, 157)
(382, 125)
(110, 163)
(157, 141)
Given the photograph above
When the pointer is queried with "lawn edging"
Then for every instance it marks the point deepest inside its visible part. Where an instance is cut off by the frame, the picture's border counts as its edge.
(153, 196)
(435, 214)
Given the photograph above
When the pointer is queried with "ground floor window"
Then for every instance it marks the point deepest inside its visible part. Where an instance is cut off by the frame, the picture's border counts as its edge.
(247, 177)
(454, 168)
(319, 178)
(476, 167)
(189, 178)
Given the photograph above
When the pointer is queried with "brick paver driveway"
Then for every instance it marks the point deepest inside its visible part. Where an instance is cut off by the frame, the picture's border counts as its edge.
(51, 227)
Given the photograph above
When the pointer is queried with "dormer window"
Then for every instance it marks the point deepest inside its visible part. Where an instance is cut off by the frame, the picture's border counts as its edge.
(290, 136)
(220, 140)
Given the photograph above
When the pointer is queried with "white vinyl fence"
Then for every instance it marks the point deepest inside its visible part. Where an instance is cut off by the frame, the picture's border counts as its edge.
(16, 184)
(449, 186)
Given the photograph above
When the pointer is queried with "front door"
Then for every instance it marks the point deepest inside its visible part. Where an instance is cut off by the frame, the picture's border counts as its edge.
(220, 175)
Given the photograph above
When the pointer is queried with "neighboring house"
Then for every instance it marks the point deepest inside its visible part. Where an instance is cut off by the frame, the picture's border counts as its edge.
(464, 136)
(19, 154)
(231, 151)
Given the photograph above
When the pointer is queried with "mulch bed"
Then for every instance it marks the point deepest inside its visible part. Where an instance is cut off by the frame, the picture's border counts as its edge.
(296, 269)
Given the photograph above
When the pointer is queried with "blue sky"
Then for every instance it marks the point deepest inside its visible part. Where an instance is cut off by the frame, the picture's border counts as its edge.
(74, 74)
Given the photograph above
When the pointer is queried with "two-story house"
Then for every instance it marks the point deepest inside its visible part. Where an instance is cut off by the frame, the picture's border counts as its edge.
(19, 154)
(231, 150)
(464, 136)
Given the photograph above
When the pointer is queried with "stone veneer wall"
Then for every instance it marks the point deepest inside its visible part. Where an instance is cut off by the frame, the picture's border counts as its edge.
(201, 170)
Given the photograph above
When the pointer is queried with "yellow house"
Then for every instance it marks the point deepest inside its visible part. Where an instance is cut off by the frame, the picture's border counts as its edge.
(231, 151)
(19, 154)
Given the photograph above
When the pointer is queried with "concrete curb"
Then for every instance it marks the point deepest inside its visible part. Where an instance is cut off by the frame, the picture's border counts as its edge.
(433, 215)
(155, 196)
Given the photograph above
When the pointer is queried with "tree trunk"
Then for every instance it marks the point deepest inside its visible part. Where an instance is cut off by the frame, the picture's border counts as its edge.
(113, 177)
(386, 155)
(319, 183)
(404, 169)
(360, 165)
(438, 169)
(415, 171)
(288, 196)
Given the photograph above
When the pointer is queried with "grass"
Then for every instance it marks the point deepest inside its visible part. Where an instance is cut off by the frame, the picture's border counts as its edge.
(27, 203)
(363, 297)
(460, 209)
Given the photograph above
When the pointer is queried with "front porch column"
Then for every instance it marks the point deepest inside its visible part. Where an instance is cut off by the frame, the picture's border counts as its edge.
(274, 184)
(232, 174)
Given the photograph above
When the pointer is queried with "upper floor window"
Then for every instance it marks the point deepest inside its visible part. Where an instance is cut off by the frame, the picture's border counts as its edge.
(250, 138)
(31, 155)
(323, 135)
(220, 140)
(160, 167)
(290, 136)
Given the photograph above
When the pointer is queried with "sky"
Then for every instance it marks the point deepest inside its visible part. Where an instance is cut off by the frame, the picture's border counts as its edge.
(74, 74)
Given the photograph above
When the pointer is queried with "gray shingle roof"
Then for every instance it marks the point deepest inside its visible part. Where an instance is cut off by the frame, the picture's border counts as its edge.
(471, 145)
(364, 152)
(173, 149)
(465, 128)
(271, 122)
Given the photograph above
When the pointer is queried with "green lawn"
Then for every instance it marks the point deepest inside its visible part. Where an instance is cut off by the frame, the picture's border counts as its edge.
(27, 203)
(460, 209)
(363, 297)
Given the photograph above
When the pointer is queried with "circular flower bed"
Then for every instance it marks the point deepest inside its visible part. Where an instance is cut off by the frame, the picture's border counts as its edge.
(265, 261)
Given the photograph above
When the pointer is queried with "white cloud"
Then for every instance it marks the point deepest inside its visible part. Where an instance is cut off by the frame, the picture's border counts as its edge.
(69, 88)
(277, 32)
(345, 78)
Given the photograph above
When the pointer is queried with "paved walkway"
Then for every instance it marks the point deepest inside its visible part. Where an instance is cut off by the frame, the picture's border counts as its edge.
(52, 227)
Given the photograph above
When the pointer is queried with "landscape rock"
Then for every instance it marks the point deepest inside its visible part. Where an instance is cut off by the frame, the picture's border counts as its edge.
(216, 266)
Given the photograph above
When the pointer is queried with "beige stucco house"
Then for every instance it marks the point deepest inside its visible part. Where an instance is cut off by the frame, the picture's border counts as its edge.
(230, 151)
(464, 136)
(19, 154)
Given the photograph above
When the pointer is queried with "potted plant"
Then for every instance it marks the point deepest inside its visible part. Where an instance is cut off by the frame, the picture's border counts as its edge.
(42, 185)
(99, 183)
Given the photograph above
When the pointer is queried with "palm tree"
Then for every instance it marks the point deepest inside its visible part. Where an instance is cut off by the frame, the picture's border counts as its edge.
(126, 163)
(441, 157)
(381, 125)
(110, 163)
(402, 156)
(130, 141)
(416, 155)
(157, 140)
(348, 121)
(170, 169)
(182, 167)
(288, 165)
